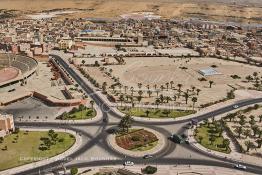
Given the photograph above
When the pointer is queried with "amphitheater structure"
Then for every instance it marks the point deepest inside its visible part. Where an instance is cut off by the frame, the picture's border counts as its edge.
(16, 69)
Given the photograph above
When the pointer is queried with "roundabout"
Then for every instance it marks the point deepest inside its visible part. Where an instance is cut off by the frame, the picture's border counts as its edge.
(137, 142)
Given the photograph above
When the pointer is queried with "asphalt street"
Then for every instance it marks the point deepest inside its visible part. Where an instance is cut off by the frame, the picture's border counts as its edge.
(94, 137)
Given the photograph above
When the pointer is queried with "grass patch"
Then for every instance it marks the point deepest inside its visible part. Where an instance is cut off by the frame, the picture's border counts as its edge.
(23, 148)
(86, 113)
(203, 136)
(155, 113)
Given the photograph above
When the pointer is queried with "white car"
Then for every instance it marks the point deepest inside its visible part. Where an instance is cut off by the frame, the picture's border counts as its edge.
(235, 106)
(239, 166)
(129, 163)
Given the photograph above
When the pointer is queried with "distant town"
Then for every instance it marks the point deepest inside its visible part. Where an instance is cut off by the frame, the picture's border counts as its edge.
(138, 94)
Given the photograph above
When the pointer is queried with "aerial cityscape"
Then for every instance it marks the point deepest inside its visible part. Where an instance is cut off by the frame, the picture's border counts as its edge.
(117, 87)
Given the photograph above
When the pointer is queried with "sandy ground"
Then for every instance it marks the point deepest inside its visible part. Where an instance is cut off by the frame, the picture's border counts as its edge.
(151, 71)
(215, 9)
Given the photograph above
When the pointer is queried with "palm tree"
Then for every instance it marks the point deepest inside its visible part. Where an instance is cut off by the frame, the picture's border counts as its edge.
(247, 132)
(92, 104)
(161, 97)
(104, 86)
(162, 87)
(210, 83)
(230, 116)
(239, 131)
(186, 95)
(179, 89)
(121, 99)
(139, 85)
(226, 143)
(174, 97)
(155, 86)
(147, 113)
(255, 130)
(148, 87)
(149, 93)
(194, 100)
(126, 123)
(120, 87)
(167, 99)
(125, 87)
(259, 143)
(171, 84)
(260, 118)
(83, 62)
(198, 90)
(193, 88)
(167, 85)
(249, 144)
(132, 91)
(157, 102)
(200, 138)
(140, 93)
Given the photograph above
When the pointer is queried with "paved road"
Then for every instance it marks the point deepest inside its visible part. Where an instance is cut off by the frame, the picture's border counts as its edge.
(98, 139)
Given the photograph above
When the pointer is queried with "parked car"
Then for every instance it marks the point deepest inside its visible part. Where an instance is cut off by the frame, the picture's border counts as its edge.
(235, 106)
(239, 166)
(147, 156)
(129, 163)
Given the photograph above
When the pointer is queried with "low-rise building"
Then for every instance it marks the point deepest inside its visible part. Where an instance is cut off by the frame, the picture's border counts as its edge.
(6, 124)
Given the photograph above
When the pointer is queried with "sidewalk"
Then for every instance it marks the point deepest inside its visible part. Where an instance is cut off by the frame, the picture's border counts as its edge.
(61, 156)
(171, 170)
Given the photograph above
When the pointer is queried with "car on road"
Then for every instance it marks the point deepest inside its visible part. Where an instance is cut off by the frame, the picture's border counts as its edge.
(147, 156)
(239, 166)
(129, 163)
(235, 106)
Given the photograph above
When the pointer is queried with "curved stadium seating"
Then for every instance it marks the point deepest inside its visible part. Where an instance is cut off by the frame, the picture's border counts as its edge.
(23, 63)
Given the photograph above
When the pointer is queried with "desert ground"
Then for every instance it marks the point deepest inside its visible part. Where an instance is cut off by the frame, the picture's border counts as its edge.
(237, 10)
(158, 71)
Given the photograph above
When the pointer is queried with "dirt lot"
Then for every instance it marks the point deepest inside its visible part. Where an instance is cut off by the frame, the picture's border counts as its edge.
(148, 71)
(216, 9)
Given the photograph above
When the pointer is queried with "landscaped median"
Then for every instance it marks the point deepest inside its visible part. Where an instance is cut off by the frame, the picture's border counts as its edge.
(209, 135)
(154, 112)
(137, 142)
(23, 147)
(80, 113)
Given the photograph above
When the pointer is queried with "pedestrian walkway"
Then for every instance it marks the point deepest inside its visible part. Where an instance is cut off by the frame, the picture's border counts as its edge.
(171, 170)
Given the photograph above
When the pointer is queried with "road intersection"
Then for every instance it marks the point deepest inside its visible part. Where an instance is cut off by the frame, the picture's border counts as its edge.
(95, 151)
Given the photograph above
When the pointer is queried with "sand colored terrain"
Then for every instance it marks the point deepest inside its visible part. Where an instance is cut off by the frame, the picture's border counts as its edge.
(151, 71)
(223, 10)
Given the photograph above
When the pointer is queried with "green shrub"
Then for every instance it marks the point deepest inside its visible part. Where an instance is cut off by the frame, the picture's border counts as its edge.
(149, 170)
(135, 138)
(73, 171)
